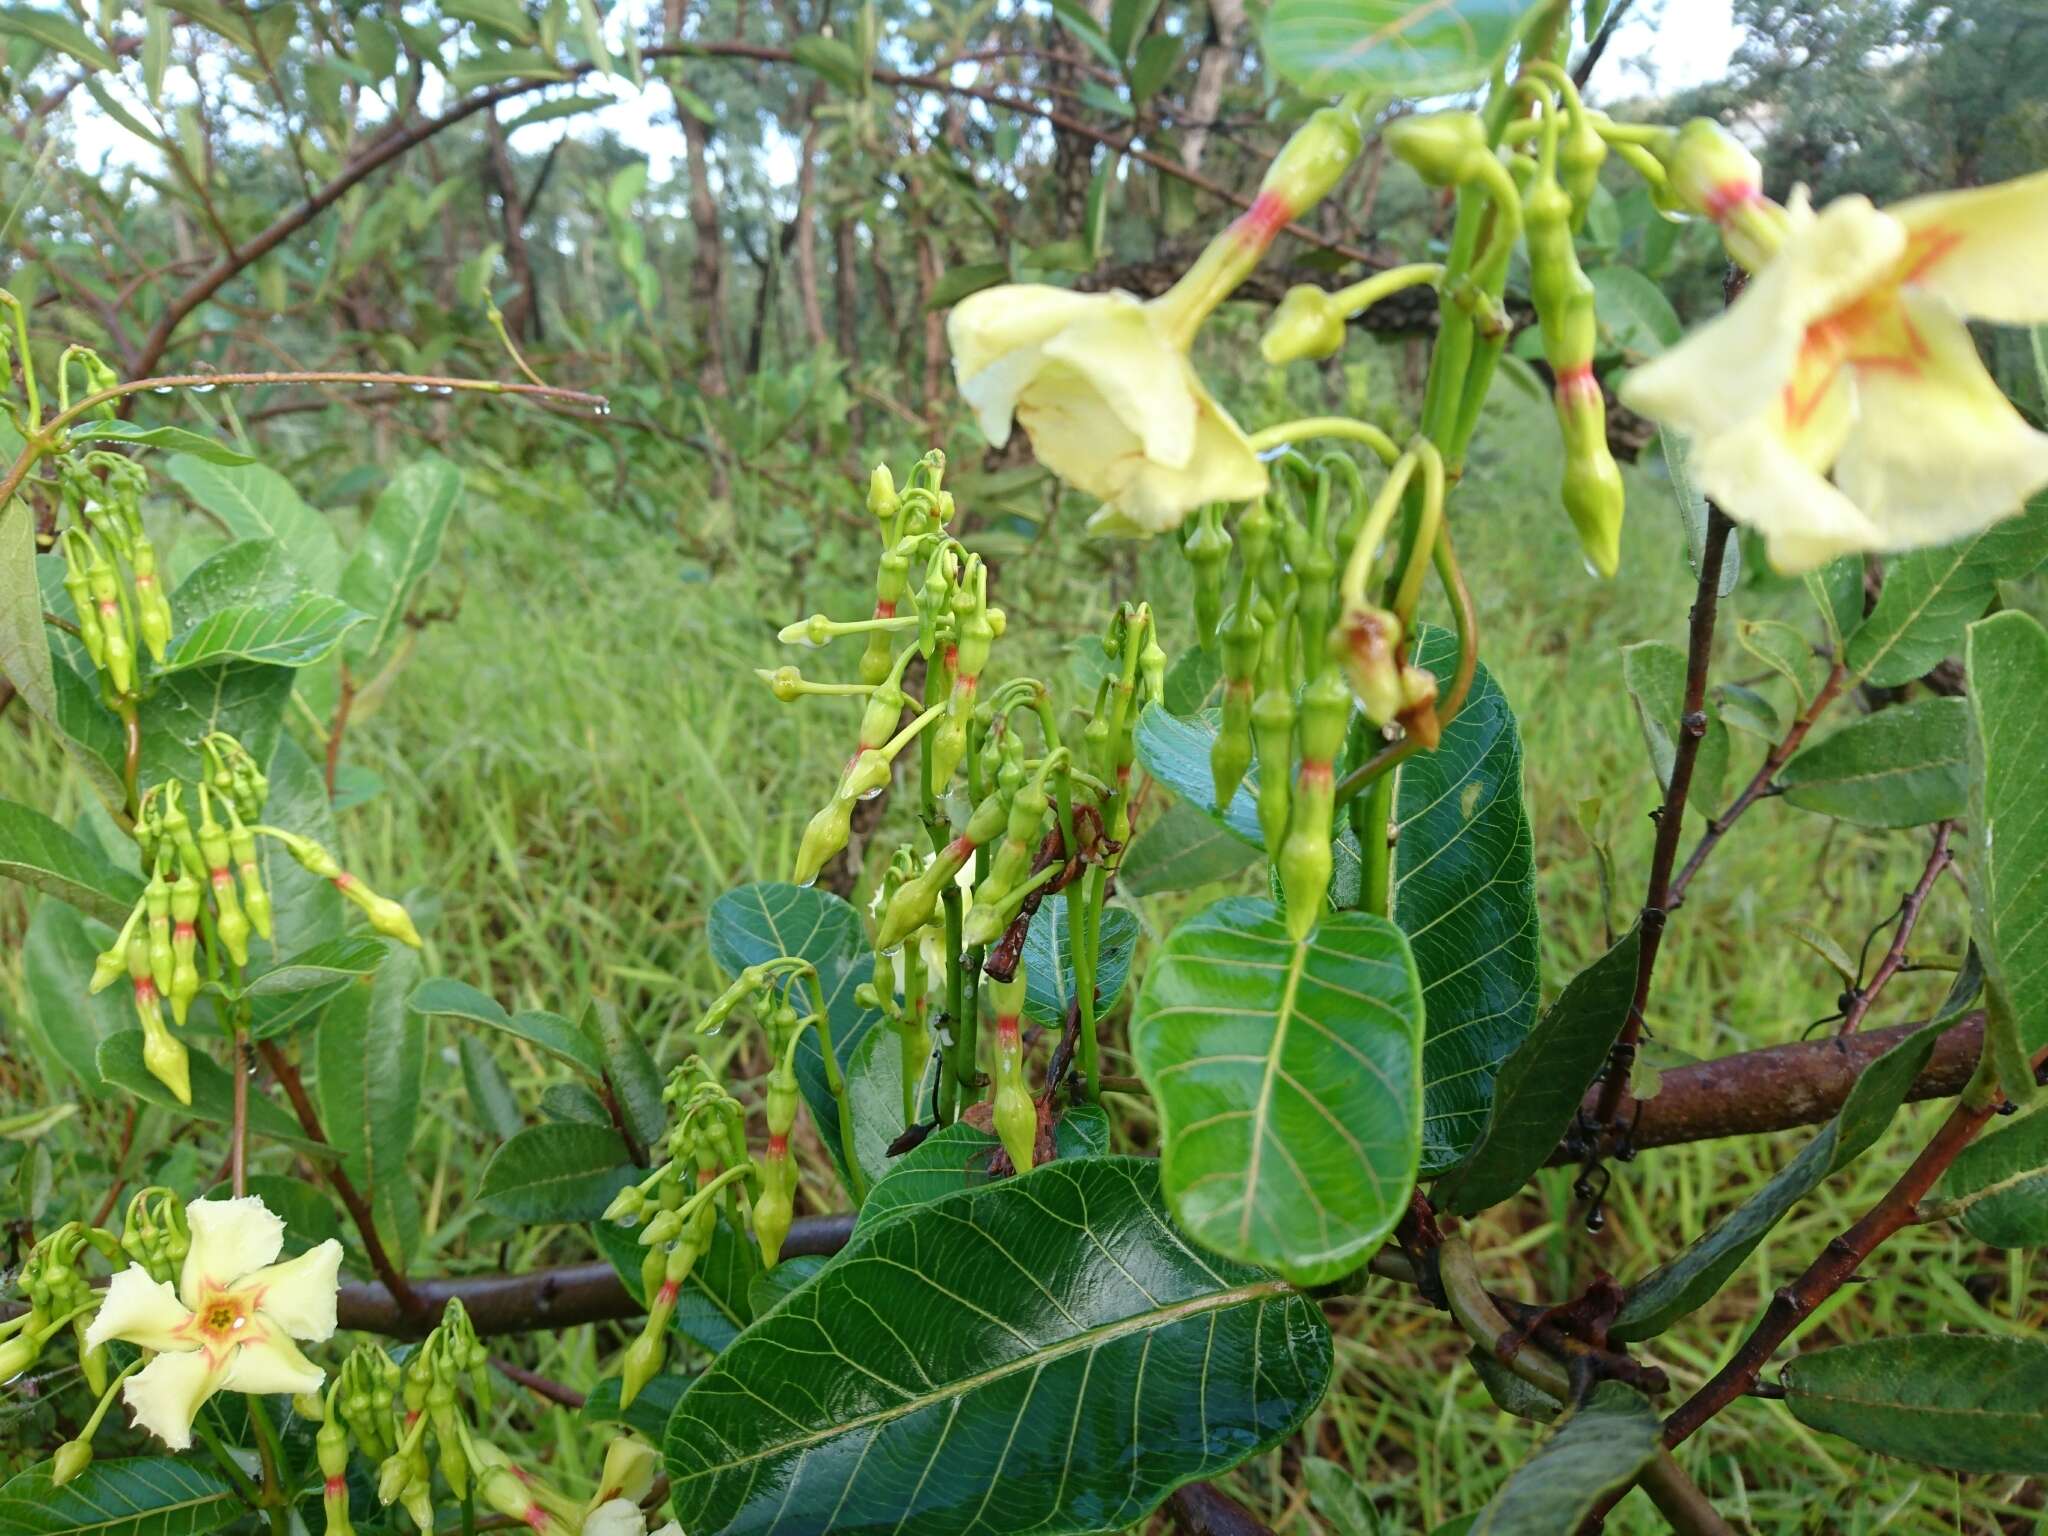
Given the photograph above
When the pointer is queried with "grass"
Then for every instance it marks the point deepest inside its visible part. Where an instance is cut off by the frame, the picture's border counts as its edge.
(582, 761)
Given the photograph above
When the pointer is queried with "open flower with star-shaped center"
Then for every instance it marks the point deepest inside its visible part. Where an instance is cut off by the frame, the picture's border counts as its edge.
(230, 1323)
(1848, 353)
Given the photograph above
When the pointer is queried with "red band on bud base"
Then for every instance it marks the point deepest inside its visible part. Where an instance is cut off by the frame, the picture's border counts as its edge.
(670, 1290)
(1261, 223)
(885, 608)
(1724, 199)
(1313, 775)
(344, 880)
(336, 1486)
(778, 1146)
(1575, 385)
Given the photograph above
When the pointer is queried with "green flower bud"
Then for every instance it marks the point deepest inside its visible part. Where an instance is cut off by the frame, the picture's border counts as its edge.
(72, 1458)
(1441, 146)
(882, 499)
(1308, 323)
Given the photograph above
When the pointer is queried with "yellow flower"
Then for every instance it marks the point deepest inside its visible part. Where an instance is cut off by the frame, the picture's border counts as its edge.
(1102, 384)
(1848, 352)
(229, 1324)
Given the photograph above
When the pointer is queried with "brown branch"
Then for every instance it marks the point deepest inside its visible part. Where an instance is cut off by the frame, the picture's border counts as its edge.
(397, 1288)
(539, 1385)
(1862, 997)
(1692, 729)
(1202, 1509)
(1759, 785)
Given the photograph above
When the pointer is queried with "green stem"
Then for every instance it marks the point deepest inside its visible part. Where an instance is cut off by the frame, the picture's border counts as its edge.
(1309, 427)
(1377, 883)
(959, 1059)
(836, 1080)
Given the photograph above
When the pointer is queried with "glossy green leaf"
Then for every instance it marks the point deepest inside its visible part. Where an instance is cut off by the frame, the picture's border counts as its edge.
(1128, 22)
(1654, 674)
(2008, 660)
(1598, 1447)
(45, 857)
(344, 959)
(119, 1059)
(1690, 1280)
(1901, 767)
(715, 1302)
(1289, 1083)
(253, 501)
(129, 1496)
(1997, 1189)
(1419, 48)
(372, 1058)
(1967, 1402)
(1537, 1092)
(177, 439)
(1159, 57)
(552, 1033)
(293, 633)
(1465, 894)
(647, 1413)
(1066, 1391)
(1182, 849)
(564, 1171)
(956, 1157)
(397, 549)
(1049, 961)
(755, 923)
(1931, 595)
(772, 1286)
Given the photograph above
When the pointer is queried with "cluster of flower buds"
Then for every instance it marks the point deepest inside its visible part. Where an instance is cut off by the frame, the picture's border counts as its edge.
(1015, 1115)
(900, 988)
(676, 1207)
(386, 916)
(387, 1410)
(110, 568)
(60, 1295)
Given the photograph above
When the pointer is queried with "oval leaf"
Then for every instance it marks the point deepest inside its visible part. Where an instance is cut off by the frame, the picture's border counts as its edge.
(1901, 767)
(566, 1171)
(1418, 48)
(45, 857)
(1599, 1447)
(1931, 595)
(295, 633)
(1046, 1354)
(1966, 1402)
(550, 1031)
(135, 1496)
(1289, 1083)
(1998, 1188)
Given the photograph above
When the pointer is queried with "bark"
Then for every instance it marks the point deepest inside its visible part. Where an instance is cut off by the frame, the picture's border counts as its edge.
(522, 311)
(807, 236)
(708, 289)
(1219, 62)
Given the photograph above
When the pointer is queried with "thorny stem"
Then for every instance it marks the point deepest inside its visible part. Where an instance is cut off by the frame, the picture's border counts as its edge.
(358, 1208)
(1759, 785)
(1863, 997)
(1692, 729)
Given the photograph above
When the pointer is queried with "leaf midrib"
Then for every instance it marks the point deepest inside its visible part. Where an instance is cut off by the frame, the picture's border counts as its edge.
(1088, 1340)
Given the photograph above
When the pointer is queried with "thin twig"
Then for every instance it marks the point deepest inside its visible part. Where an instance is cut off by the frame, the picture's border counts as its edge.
(541, 1386)
(395, 1282)
(1692, 729)
(1759, 785)
(1863, 997)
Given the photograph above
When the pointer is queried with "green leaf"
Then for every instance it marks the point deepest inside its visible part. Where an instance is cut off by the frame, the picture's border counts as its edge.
(956, 1157)
(57, 958)
(397, 550)
(295, 633)
(1691, 502)
(134, 1496)
(1095, 214)
(119, 1059)
(831, 61)
(1634, 315)
(497, 1110)
(1747, 710)
(565, 1171)
(134, 434)
(1997, 1189)
(372, 1058)
(1689, 1281)
(55, 31)
(1465, 894)
(1158, 60)
(1538, 1090)
(45, 857)
(1113, 1330)
(635, 1080)
(1901, 767)
(344, 959)
(1931, 595)
(551, 1032)
(960, 281)
(255, 502)
(1837, 591)
(243, 698)
(1182, 849)
(715, 1303)
(649, 1411)
(1785, 651)
(1049, 963)
(1419, 48)
(1289, 1083)
(1655, 676)
(755, 923)
(1966, 1402)
(1599, 1447)
(771, 1286)
(874, 1091)
(1075, 18)
(506, 18)
(1128, 21)
(306, 910)
(2008, 659)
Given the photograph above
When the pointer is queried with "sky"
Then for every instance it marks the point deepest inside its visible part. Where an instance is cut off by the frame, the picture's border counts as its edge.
(1663, 45)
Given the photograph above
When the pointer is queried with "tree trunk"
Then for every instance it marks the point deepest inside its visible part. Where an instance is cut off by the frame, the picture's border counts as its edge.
(1220, 58)
(522, 313)
(807, 237)
(929, 271)
(707, 265)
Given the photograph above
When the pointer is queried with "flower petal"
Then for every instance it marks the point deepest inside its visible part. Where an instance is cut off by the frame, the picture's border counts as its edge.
(1980, 249)
(229, 1239)
(1736, 364)
(143, 1311)
(298, 1295)
(1221, 468)
(1124, 357)
(1757, 479)
(165, 1395)
(996, 337)
(1937, 452)
(615, 1517)
(271, 1363)
(1079, 439)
